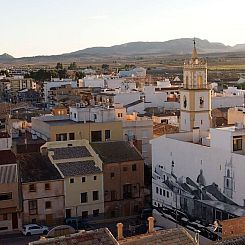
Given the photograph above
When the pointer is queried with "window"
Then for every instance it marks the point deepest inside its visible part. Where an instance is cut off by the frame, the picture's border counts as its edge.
(72, 180)
(134, 168)
(5, 196)
(185, 101)
(95, 177)
(107, 134)
(119, 115)
(160, 191)
(32, 187)
(96, 136)
(32, 207)
(84, 197)
(237, 143)
(47, 186)
(164, 193)
(95, 117)
(71, 136)
(95, 195)
(112, 175)
(200, 81)
(125, 169)
(167, 194)
(157, 190)
(113, 195)
(61, 137)
(48, 205)
(85, 214)
(75, 115)
(96, 212)
(83, 179)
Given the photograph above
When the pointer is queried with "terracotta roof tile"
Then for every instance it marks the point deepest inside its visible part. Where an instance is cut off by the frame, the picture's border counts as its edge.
(78, 168)
(116, 151)
(70, 152)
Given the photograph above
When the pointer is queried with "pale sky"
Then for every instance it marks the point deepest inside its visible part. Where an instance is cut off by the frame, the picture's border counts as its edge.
(45, 27)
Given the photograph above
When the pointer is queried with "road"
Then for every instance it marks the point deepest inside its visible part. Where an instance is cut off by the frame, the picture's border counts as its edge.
(17, 239)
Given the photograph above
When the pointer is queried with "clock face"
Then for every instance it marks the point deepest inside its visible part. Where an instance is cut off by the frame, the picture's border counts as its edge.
(185, 102)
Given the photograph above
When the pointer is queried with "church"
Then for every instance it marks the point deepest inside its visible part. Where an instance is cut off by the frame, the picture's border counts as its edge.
(199, 170)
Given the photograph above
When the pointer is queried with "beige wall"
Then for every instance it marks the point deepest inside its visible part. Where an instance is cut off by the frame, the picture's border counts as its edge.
(83, 130)
(13, 188)
(235, 116)
(55, 195)
(73, 194)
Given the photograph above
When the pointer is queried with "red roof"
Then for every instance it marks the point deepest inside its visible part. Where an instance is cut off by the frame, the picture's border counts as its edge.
(7, 157)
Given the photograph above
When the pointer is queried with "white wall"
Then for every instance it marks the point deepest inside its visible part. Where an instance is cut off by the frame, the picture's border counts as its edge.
(189, 158)
(227, 101)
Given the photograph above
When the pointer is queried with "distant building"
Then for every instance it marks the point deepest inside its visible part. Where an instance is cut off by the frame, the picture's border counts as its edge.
(136, 72)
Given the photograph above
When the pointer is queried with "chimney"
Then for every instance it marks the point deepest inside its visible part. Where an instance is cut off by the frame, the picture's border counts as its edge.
(196, 134)
(119, 231)
(150, 224)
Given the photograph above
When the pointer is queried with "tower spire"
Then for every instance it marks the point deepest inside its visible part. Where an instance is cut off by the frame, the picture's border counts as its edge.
(194, 51)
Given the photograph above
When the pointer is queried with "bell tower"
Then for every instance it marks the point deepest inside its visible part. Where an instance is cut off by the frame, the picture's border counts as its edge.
(195, 97)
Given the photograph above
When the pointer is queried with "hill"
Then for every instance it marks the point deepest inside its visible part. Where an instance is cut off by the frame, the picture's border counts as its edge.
(172, 47)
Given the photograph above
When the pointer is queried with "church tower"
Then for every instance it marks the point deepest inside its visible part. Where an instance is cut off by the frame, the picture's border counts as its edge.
(195, 97)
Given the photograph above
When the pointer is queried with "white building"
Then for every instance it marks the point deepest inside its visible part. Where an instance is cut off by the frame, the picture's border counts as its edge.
(203, 166)
(195, 97)
(227, 100)
(56, 83)
(136, 72)
(81, 113)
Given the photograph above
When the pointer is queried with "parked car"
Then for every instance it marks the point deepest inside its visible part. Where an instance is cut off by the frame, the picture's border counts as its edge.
(34, 229)
(78, 223)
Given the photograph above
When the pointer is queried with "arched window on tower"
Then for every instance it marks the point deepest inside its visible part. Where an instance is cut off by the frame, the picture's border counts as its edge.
(228, 173)
(200, 81)
(186, 81)
(184, 101)
(201, 102)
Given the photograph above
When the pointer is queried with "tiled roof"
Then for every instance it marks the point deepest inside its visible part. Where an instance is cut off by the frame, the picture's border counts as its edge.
(116, 151)
(7, 157)
(94, 237)
(36, 167)
(78, 168)
(232, 241)
(70, 152)
(161, 237)
(8, 174)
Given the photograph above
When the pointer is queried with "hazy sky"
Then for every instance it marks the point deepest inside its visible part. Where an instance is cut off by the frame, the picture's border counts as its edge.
(38, 27)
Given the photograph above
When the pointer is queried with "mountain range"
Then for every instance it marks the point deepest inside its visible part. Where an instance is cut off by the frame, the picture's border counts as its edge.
(172, 47)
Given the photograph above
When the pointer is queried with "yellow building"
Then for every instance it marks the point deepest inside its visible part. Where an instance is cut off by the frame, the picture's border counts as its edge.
(81, 169)
(62, 128)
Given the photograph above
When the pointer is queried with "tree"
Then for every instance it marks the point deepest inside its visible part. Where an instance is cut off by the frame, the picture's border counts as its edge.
(80, 75)
(62, 73)
(59, 66)
(105, 67)
(72, 66)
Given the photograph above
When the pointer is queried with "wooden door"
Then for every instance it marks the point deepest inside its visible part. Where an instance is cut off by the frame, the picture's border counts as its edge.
(14, 221)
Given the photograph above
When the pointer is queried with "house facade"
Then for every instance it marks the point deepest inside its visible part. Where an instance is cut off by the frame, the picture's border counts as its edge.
(123, 169)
